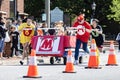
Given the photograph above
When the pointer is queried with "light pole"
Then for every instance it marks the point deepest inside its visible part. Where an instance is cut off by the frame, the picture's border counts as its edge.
(47, 11)
(93, 6)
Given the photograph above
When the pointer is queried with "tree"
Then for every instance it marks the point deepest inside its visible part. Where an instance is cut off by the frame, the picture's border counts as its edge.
(34, 7)
(115, 10)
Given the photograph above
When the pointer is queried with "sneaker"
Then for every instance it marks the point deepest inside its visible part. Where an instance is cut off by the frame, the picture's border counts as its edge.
(76, 62)
(21, 62)
(80, 59)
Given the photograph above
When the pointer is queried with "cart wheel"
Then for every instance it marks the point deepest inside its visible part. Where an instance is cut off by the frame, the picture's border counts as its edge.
(51, 60)
(80, 59)
(64, 60)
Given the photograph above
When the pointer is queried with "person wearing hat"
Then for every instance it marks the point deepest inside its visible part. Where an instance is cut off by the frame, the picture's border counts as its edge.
(97, 33)
(83, 34)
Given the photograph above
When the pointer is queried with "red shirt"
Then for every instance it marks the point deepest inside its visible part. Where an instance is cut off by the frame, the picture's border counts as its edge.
(82, 34)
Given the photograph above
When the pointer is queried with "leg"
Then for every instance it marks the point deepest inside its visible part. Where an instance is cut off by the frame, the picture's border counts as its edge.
(12, 50)
(25, 45)
(85, 47)
(25, 48)
(78, 43)
(16, 49)
(1, 47)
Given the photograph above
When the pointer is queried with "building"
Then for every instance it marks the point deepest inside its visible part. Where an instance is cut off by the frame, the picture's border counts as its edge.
(10, 8)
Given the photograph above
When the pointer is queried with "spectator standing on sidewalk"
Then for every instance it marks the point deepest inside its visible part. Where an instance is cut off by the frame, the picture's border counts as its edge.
(83, 34)
(26, 32)
(14, 39)
(2, 35)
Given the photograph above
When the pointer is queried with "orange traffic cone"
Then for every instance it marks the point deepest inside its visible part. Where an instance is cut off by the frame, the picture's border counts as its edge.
(33, 69)
(93, 59)
(112, 56)
(69, 65)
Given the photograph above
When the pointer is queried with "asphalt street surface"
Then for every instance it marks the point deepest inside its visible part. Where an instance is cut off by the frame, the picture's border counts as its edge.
(10, 69)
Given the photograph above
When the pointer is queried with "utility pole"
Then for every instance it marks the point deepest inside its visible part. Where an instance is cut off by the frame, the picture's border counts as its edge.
(47, 11)
(15, 8)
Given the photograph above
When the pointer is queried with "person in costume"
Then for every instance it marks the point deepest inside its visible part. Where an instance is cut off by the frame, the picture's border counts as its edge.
(26, 32)
(83, 34)
(97, 33)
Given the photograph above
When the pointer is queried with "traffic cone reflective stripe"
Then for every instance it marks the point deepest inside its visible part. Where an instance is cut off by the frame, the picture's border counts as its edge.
(69, 58)
(93, 52)
(69, 65)
(32, 60)
(93, 59)
(32, 69)
(112, 57)
(111, 51)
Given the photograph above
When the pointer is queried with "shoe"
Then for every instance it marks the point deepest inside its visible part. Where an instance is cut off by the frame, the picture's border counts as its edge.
(21, 62)
(76, 62)
(80, 59)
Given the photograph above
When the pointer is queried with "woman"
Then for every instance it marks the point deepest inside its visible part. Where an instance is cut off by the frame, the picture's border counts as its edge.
(27, 31)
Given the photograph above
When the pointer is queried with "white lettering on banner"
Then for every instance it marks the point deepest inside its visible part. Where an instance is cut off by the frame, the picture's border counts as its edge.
(38, 44)
(33, 60)
(81, 29)
(46, 44)
(56, 44)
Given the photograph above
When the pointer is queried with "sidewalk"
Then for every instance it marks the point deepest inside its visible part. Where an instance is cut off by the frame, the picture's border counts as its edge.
(10, 61)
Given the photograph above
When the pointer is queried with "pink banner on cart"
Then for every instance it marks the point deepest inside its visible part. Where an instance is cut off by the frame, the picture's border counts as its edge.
(48, 45)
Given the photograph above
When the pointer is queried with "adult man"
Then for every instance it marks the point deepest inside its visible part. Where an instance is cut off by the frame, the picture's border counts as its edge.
(82, 37)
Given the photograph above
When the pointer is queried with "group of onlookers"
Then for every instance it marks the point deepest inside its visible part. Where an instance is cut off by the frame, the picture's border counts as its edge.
(20, 32)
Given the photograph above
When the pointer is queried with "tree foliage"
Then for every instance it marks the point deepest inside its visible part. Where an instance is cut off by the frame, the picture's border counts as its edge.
(34, 7)
(115, 10)
(107, 11)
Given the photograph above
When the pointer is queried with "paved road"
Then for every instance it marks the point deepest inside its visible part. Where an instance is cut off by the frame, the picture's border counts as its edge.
(12, 70)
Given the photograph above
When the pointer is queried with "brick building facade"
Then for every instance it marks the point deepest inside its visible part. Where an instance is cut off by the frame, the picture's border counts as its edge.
(8, 8)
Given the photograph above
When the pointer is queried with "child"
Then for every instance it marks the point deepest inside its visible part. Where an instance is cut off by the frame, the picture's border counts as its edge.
(14, 39)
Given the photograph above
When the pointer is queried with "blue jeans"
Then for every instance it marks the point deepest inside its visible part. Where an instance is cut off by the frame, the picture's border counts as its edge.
(1, 44)
(78, 44)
